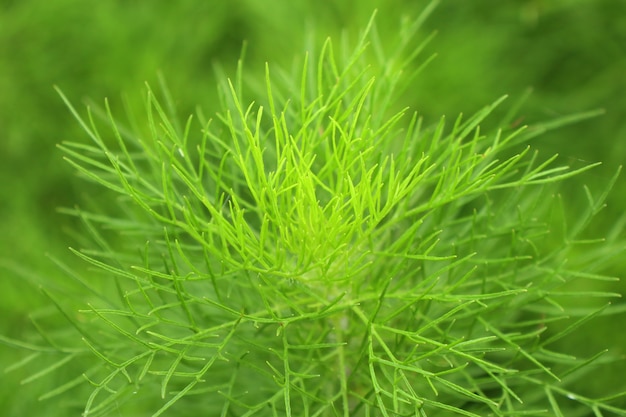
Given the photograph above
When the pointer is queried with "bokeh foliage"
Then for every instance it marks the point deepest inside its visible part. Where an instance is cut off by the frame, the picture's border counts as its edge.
(571, 53)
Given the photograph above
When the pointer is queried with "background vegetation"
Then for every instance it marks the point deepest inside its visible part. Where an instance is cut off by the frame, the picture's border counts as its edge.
(571, 53)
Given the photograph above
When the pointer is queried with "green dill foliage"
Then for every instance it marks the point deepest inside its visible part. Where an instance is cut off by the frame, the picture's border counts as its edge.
(315, 250)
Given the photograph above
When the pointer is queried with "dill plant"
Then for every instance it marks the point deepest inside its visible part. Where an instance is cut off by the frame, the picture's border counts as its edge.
(314, 250)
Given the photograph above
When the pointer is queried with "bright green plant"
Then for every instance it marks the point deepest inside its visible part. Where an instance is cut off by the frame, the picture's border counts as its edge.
(318, 251)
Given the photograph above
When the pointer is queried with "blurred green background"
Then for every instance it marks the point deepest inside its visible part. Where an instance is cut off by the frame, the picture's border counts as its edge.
(572, 53)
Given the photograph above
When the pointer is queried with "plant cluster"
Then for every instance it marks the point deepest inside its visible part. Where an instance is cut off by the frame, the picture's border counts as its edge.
(319, 251)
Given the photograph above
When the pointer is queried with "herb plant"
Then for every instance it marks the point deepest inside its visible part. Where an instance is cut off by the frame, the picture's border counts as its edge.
(315, 249)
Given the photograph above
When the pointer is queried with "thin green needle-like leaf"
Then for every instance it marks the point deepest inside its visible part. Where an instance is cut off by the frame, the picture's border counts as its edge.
(47, 370)
(574, 325)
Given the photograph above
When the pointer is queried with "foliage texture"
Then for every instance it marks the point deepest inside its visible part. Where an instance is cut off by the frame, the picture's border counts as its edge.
(316, 250)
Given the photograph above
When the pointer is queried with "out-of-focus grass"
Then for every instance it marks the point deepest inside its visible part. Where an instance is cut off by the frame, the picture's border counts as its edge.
(572, 53)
